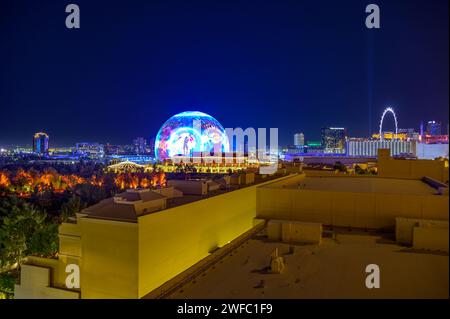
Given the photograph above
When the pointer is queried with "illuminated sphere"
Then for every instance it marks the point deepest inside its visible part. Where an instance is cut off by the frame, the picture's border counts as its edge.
(187, 133)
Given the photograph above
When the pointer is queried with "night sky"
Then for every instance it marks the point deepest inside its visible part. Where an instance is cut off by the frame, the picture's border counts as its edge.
(296, 65)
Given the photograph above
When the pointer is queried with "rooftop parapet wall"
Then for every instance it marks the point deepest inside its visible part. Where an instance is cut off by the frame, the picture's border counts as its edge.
(411, 169)
(172, 240)
(109, 267)
(36, 284)
(359, 209)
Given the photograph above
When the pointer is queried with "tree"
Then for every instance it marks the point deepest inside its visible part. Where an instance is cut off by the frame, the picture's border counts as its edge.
(16, 231)
(359, 170)
(7, 282)
(12, 248)
(340, 167)
(44, 241)
(24, 230)
(90, 194)
(73, 206)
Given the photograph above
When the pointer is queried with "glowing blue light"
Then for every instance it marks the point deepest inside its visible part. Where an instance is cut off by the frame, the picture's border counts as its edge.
(190, 132)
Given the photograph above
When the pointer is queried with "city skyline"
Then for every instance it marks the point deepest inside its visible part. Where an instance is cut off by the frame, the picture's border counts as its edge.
(316, 138)
(236, 157)
(300, 74)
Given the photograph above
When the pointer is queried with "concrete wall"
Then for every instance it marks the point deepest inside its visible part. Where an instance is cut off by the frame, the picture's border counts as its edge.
(172, 240)
(69, 250)
(169, 192)
(294, 232)
(106, 252)
(109, 263)
(189, 187)
(404, 230)
(35, 283)
(411, 169)
(431, 238)
(274, 230)
(422, 233)
(46, 277)
(301, 232)
(242, 179)
(431, 151)
(149, 206)
(348, 209)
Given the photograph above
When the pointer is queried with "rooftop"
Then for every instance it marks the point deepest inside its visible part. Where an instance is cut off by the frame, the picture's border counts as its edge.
(335, 269)
(125, 206)
(129, 205)
(364, 185)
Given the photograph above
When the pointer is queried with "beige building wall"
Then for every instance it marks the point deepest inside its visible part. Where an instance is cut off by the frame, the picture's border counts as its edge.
(109, 263)
(422, 233)
(348, 209)
(294, 232)
(411, 169)
(149, 206)
(431, 238)
(35, 283)
(195, 187)
(301, 232)
(172, 240)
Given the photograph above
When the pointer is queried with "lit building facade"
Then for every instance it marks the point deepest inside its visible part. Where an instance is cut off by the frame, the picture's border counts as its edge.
(433, 128)
(299, 139)
(189, 132)
(434, 139)
(140, 145)
(409, 132)
(151, 146)
(369, 148)
(432, 150)
(111, 149)
(333, 139)
(40, 143)
(91, 150)
(402, 134)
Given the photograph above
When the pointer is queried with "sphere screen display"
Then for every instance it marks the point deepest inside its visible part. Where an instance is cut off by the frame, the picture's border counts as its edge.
(187, 133)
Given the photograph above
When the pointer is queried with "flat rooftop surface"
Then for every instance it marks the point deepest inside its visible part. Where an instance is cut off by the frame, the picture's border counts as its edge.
(335, 269)
(364, 185)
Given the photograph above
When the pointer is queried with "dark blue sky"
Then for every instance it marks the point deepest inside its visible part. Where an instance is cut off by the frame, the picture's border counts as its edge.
(296, 65)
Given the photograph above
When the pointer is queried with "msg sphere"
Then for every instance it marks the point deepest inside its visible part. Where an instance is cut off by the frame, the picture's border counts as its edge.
(189, 132)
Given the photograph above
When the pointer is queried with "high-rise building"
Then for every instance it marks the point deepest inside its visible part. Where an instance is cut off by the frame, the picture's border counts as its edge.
(140, 145)
(369, 148)
(151, 146)
(299, 139)
(333, 139)
(91, 150)
(432, 151)
(111, 149)
(407, 134)
(40, 143)
(433, 128)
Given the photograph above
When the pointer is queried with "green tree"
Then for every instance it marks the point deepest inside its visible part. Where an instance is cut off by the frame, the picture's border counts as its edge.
(44, 241)
(90, 194)
(24, 230)
(73, 206)
(7, 281)
(16, 231)
(12, 249)
(359, 170)
(340, 167)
